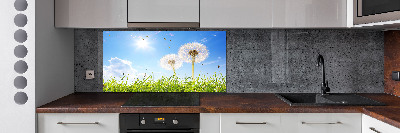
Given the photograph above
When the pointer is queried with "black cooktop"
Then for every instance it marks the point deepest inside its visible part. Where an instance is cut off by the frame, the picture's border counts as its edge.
(163, 99)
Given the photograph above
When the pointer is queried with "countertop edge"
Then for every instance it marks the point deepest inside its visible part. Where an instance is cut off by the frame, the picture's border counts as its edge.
(381, 117)
(219, 103)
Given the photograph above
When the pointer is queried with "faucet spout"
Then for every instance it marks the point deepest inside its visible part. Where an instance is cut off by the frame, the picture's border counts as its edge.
(324, 84)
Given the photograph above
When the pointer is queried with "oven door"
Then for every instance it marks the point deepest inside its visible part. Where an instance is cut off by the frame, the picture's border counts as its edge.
(164, 131)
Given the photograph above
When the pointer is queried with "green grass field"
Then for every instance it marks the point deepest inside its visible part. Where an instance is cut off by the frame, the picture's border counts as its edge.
(202, 83)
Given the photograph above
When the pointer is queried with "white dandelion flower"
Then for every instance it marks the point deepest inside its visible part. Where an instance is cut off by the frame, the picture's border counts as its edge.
(171, 62)
(190, 50)
(193, 53)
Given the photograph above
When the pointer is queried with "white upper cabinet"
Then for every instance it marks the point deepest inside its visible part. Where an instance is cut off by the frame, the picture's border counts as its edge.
(90, 13)
(143, 11)
(310, 13)
(273, 13)
(236, 13)
(209, 13)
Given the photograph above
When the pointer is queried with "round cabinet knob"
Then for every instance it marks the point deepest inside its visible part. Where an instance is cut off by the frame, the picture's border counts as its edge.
(175, 122)
(143, 122)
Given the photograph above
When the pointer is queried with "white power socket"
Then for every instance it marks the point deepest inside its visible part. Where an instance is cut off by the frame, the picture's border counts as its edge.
(89, 74)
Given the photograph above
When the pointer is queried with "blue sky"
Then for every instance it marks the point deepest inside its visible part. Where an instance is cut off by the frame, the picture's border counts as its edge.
(139, 52)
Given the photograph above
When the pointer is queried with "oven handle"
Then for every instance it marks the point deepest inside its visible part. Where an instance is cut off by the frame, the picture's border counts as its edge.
(163, 131)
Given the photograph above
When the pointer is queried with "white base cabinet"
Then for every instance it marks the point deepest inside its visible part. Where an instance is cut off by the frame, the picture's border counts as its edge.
(78, 123)
(281, 123)
(250, 123)
(372, 125)
(210, 122)
(321, 123)
(227, 123)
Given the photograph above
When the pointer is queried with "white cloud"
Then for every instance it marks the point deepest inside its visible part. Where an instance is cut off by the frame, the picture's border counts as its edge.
(204, 40)
(210, 62)
(214, 35)
(118, 68)
(170, 34)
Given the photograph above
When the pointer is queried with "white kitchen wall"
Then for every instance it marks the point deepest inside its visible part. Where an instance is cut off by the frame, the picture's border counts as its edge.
(17, 112)
(54, 56)
(36, 65)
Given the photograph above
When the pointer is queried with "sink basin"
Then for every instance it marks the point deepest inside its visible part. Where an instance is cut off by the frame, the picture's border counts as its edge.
(316, 99)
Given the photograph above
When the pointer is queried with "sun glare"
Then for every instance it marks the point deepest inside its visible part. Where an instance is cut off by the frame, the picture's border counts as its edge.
(142, 44)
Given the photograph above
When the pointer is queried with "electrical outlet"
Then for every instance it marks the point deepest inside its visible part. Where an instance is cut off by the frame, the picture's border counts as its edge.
(396, 75)
(89, 74)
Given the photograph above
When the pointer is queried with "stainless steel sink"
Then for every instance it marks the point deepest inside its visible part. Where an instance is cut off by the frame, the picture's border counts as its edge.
(316, 99)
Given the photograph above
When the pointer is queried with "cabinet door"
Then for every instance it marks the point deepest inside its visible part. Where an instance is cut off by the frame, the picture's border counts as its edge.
(91, 13)
(209, 122)
(329, 13)
(309, 13)
(321, 123)
(250, 123)
(372, 125)
(78, 123)
(236, 13)
(163, 11)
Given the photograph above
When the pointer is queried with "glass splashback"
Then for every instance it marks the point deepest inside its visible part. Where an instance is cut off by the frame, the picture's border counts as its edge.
(164, 61)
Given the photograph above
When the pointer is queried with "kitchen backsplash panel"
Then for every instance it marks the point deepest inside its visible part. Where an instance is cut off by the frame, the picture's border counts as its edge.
(392, 59)
(265, 60)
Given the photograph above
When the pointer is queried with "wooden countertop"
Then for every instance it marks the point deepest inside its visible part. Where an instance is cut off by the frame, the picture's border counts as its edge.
(219, 103)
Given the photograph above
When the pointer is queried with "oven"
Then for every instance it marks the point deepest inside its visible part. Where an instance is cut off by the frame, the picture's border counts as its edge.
(159, 123)
(374, 11)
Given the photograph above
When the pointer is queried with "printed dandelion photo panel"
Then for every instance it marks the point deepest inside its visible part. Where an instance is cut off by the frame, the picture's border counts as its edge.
(164, 61)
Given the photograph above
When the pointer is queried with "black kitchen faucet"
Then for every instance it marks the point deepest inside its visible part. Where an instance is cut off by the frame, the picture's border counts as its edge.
(324, 85)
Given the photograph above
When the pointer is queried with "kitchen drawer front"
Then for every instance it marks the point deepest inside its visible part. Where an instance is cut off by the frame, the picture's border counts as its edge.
(250, 123)
(78, 123)
(372, 125)
(321, 123)
(330, 123)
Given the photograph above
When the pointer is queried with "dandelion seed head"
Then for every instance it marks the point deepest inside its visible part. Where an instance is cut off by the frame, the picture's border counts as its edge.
(187, 51)
(170, 60)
